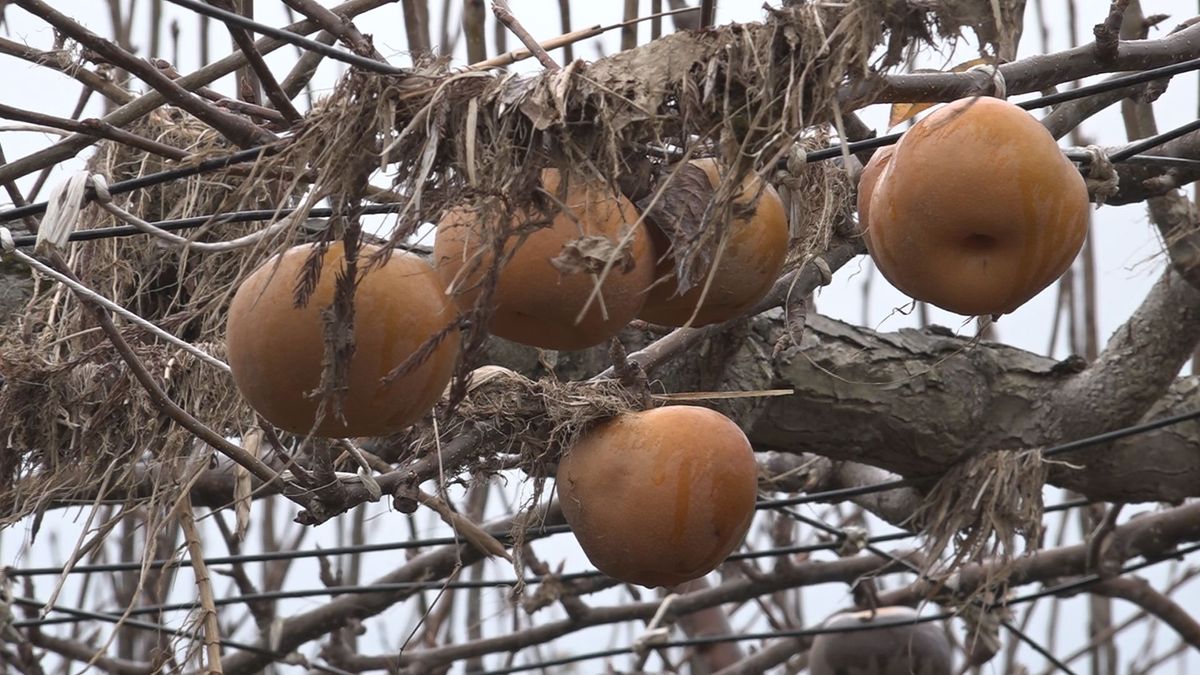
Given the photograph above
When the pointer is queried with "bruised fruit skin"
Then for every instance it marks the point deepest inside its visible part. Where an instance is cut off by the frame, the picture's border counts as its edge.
(535, 303)
(754, 253)
(976, 211)
(275, 349)
(908, 649)
(662, 496)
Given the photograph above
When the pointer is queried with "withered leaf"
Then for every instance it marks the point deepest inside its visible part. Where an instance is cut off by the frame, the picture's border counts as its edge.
(679, 214)
(592, 253)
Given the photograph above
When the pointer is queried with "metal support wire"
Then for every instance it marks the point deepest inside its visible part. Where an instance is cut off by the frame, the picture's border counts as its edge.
(814, 156)
(884, 554)
(177, 224)
(548, 531)
(1153, 141)
(160, 177)
(159, 628)
(806, 632)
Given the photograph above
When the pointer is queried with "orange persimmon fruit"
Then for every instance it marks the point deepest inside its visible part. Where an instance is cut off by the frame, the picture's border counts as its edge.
(976, 210)
(276, 349)
(537, 303)
(659, 497)
(751, 258)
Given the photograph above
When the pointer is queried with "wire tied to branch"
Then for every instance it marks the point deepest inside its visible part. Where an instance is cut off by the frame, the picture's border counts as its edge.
(63, 208)
(854, 542)
(655, 633)
(796, 159)
(999, 86)
(1102, 178)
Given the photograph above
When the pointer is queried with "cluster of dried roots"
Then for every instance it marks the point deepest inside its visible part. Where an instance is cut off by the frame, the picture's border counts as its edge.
(72, 415)
(980, 507)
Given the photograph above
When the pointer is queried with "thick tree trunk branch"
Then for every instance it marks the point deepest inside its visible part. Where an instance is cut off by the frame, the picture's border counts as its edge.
(915, 403)
(1027, 75)
(1137, 365)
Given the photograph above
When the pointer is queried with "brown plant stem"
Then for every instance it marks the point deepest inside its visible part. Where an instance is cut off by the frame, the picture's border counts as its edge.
(266, 78)
(96, 128)
(342, 28)
(208, 607)
(59, 61)
(505, 16)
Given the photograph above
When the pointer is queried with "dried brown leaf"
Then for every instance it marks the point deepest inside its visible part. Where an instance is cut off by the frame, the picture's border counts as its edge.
(591, 253)
(679, 214)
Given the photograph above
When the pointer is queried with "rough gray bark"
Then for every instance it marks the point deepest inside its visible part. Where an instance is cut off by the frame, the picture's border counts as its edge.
(916, 402)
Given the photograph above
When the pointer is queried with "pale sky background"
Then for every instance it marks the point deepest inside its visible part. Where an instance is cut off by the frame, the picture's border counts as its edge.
(1128, 262)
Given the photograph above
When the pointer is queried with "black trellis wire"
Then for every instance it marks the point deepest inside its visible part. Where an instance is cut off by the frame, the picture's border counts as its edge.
(86, 615)
(356, 549)
(1154, 141)
(1021, 635)
(177, 224)
(251, 154)
(1059, 589)
(365, 589)
(158, 178)
(400, 586)
(396, 586)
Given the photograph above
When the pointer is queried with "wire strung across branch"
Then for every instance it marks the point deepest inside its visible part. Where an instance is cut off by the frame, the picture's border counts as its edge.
(252, 154)
(847, 628)
(177, 224)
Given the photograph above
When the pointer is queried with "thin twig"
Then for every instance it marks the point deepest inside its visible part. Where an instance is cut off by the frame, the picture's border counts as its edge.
(416, 27)
(473, 21)
(564, 14)
(237, 129)
(94, 127)
(1107, 32)
(59, 61)
(343, 29)
(266, 78)
(629, 31)
(505, 16)
(208, 607)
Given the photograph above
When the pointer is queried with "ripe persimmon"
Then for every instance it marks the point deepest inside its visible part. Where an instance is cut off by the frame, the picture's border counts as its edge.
(276, 349)
(976, 210)
(662, 496)
(750, 259)
(536, 302)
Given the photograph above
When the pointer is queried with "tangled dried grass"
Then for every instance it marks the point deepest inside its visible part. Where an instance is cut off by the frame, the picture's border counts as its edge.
(72, 415)
(980, 507)
(534, 419)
